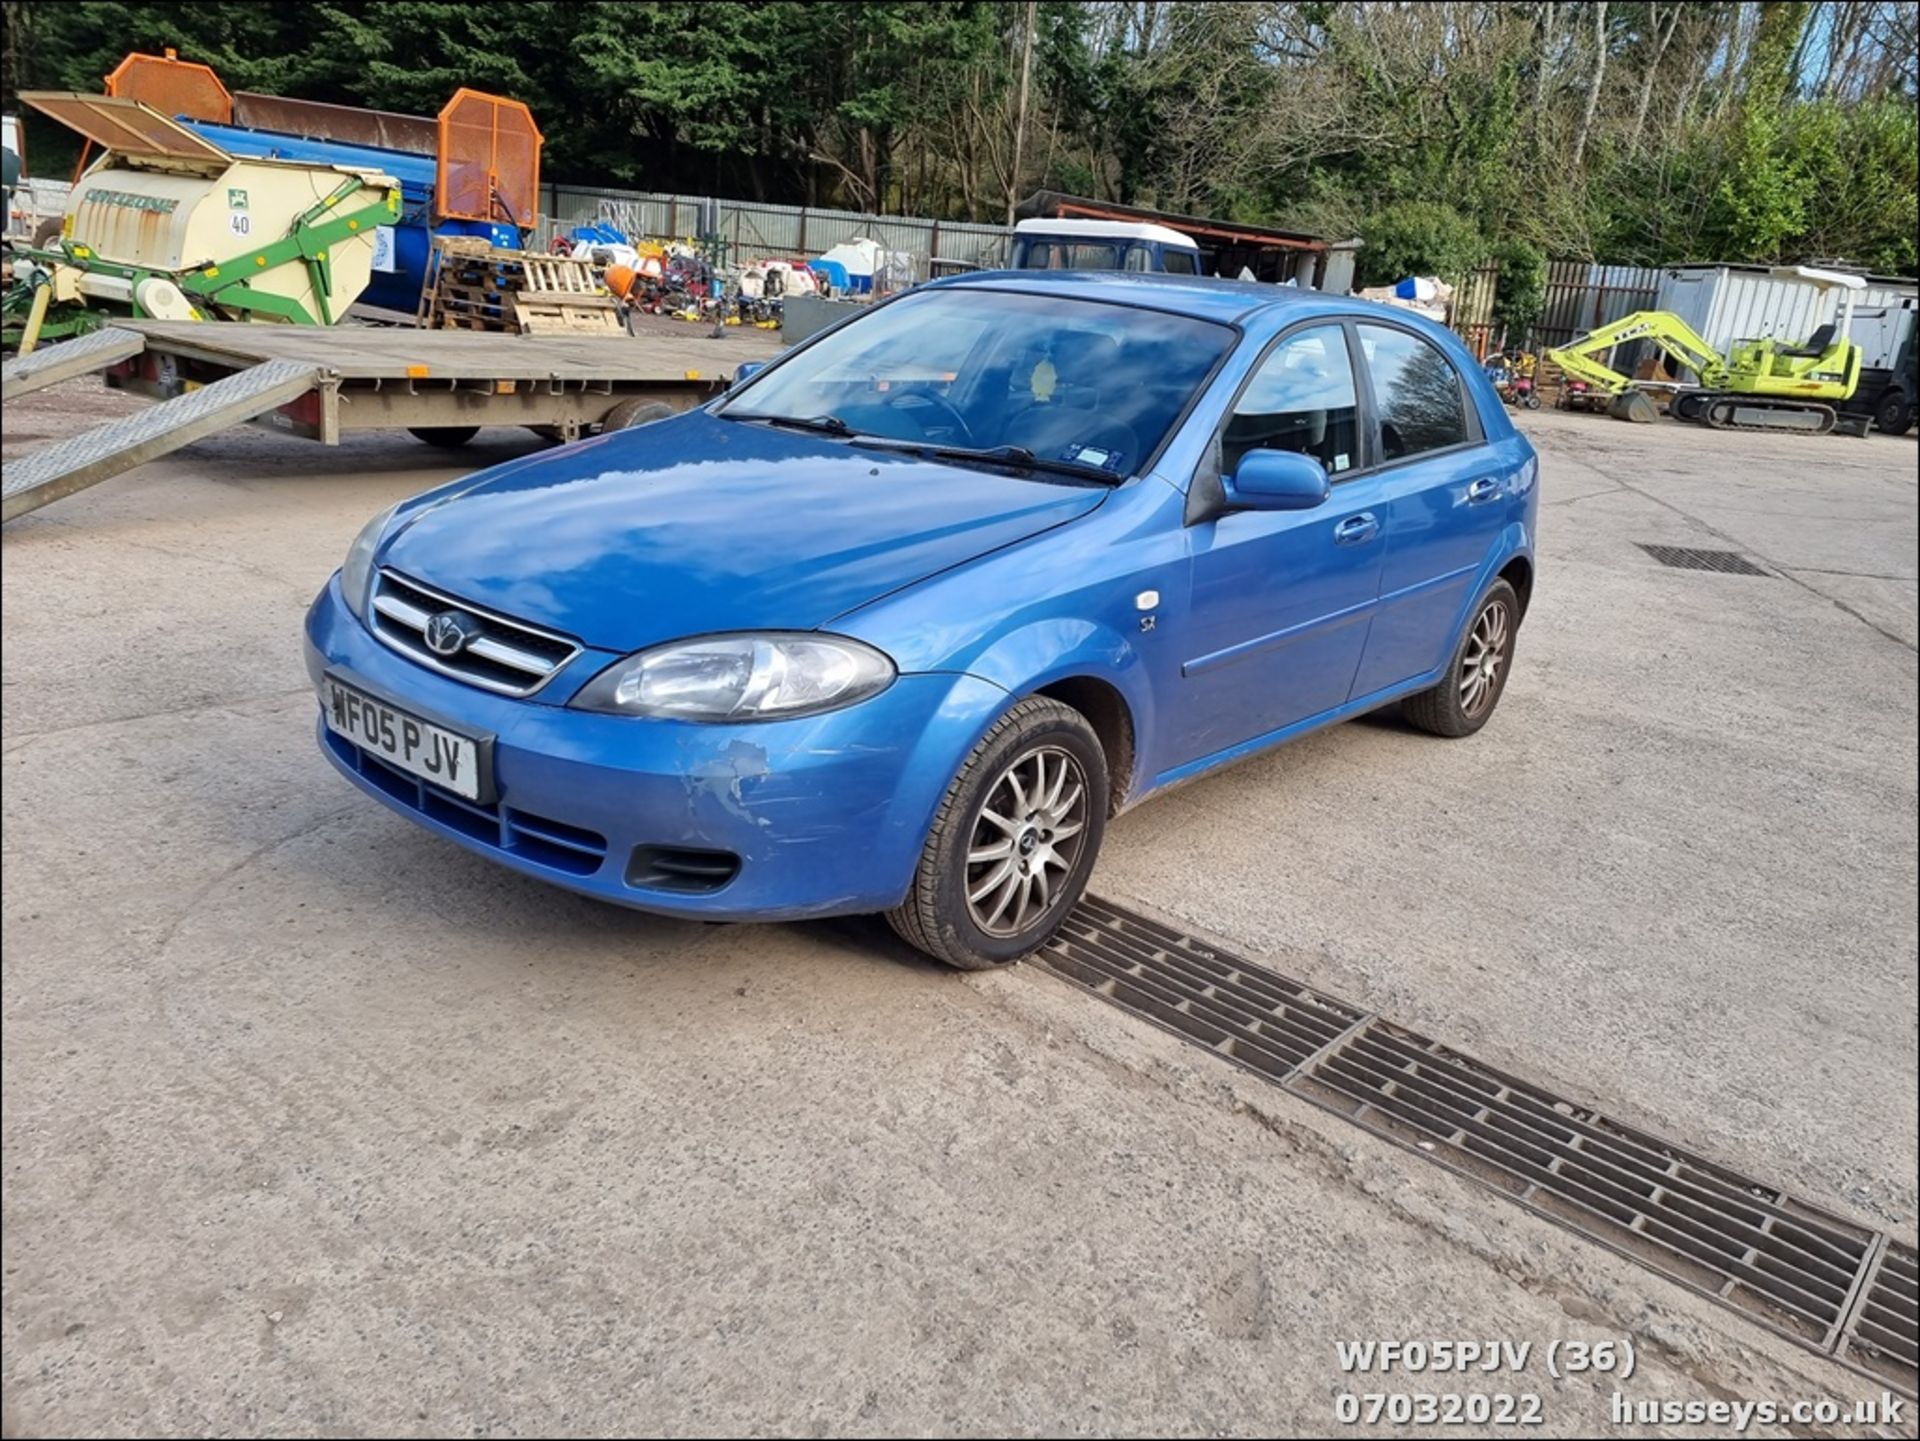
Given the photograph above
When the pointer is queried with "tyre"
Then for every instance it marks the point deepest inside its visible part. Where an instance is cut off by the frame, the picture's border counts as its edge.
(629, 413)
(1473, 684)
(444, 437)
(47, 231)
(1894, 414)
(1014, 840)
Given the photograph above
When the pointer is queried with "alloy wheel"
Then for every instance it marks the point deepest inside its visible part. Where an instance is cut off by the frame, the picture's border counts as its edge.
(1485, 655)
(1026, 841)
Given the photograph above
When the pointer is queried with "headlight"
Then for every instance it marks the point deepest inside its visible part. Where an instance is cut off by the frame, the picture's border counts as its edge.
(356, 574)
(740, 678)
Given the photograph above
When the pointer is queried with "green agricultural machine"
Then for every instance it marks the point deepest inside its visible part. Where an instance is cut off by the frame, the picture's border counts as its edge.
(169, 226)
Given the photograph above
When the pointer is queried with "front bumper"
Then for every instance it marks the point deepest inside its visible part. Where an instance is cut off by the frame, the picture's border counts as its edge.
(826, 814)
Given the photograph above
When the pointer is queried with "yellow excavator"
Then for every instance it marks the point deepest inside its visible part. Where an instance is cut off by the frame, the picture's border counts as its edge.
(1760, 385)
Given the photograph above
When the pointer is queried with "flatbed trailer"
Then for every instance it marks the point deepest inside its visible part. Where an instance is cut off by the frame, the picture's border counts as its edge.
(321, 383)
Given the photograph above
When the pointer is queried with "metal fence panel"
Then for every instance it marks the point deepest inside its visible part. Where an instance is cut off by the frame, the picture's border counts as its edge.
(1582, 296)
(753, 229)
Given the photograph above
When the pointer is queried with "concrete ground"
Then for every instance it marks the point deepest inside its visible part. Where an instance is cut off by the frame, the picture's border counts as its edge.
(316, 1124)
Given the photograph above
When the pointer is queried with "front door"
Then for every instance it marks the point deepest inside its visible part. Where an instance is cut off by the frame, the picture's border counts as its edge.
(1281, 600)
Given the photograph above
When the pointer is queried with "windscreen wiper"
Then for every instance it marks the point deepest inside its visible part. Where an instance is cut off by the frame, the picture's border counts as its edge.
(825, 424)
(1017, 457)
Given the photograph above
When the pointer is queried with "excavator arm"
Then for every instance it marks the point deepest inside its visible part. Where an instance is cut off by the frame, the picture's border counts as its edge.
(1663, 328)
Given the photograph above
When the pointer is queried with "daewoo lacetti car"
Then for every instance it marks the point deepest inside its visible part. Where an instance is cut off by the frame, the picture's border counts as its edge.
(900, 621)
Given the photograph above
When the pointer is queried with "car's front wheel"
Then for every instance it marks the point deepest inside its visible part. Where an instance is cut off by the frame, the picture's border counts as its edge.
(1014, 841)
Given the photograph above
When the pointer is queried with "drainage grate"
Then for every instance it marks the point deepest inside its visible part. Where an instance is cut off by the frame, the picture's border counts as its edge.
(1884, 1335)
(1248, 1014)
(1727, 562)
(1788, 1265)
(1838, 1288)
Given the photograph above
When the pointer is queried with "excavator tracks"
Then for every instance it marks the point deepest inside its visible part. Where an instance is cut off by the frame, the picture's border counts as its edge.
(1759, 412)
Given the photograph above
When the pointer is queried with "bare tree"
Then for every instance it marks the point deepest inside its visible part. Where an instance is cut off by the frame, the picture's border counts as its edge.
(1594, 82)
(1662, 38)
(1020, 109)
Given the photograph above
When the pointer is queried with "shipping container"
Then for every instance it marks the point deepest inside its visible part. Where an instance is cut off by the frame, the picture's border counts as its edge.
(1731, 303)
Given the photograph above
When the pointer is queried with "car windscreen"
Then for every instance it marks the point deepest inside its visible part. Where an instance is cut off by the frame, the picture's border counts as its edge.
(1069, 381)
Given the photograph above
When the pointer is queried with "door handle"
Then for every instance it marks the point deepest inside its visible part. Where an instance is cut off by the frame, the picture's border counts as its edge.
(1356, 529)
(1482, 490)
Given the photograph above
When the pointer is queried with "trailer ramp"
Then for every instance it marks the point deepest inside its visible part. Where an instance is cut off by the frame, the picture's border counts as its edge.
(58, 470)
(27, 373)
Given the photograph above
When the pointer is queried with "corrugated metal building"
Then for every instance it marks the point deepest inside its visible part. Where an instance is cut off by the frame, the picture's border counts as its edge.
(1731, 303)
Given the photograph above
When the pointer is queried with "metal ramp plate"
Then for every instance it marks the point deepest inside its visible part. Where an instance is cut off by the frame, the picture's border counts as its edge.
(25, 374)
(66, 466)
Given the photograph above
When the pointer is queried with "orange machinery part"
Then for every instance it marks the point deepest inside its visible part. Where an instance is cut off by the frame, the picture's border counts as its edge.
(170, 85)
(489, 160)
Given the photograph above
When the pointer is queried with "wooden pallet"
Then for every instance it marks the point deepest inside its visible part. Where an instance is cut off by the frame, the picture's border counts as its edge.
(473, 286)
(557, 312)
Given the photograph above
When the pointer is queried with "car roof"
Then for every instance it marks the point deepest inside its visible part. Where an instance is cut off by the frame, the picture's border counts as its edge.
(1225, 301)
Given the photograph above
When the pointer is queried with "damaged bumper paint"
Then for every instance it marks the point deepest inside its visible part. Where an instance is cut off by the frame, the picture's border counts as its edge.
(824, 815)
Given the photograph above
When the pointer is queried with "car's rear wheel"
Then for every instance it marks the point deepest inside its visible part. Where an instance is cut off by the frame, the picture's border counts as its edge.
(1477, 678)
(1014, 841)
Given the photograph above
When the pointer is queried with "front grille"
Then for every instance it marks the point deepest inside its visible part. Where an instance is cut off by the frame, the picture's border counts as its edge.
(508, 656)
(550, 843)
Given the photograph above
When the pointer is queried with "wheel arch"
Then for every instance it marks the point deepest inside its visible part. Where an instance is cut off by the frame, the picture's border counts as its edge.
(1518, 573)
(1091, 666)
(1106, 710)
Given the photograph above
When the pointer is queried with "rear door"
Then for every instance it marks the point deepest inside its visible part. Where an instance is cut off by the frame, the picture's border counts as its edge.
(1444, 499)
(1281, 599)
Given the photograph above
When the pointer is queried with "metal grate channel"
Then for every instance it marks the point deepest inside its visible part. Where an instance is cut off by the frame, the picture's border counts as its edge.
(1840, 1289)
(1789, 1266)
(1727, 562)
(1883, 1337)
(1248, 1014)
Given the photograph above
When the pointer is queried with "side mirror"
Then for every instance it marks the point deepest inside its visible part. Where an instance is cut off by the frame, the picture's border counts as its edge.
(1276, 480)
(745, 371)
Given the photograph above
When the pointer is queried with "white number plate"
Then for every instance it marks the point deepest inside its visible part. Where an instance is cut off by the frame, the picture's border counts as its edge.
(416, 746)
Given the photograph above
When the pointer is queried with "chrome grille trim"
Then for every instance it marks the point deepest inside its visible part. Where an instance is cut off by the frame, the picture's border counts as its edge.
(510, 658)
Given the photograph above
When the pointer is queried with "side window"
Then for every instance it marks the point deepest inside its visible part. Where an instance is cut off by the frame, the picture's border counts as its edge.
(1176, 262)
(1417, 392)
(1300, 399)
(1139, 257)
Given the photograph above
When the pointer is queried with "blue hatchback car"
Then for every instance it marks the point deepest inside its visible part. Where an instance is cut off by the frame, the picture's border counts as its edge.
(902, 620)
